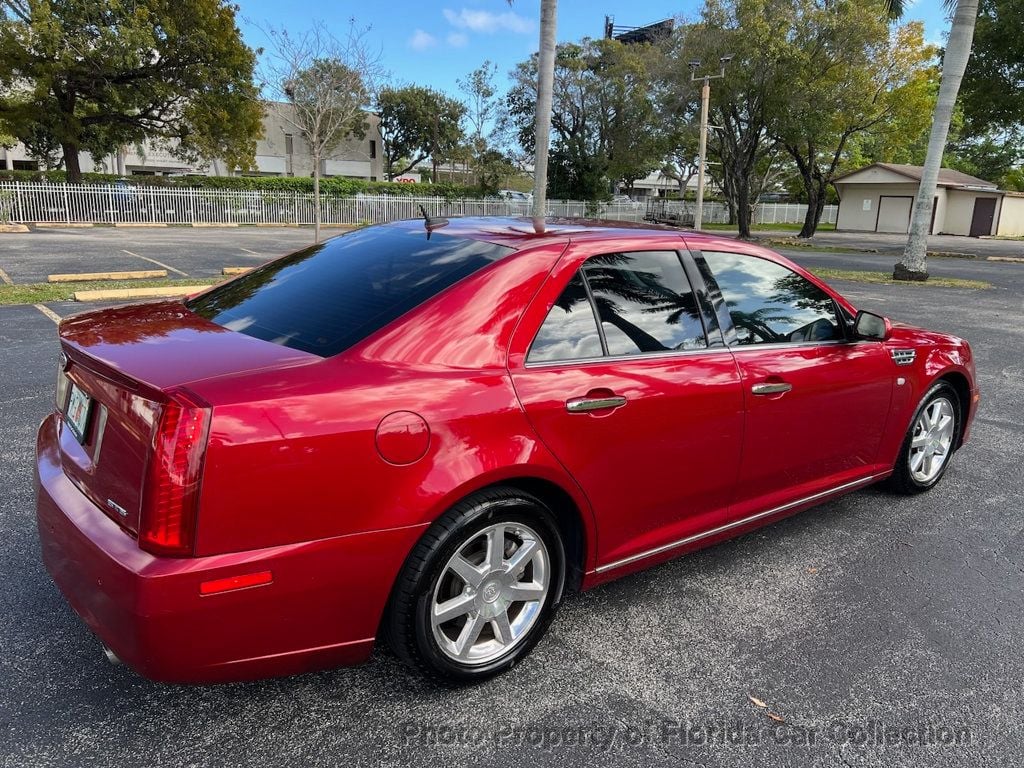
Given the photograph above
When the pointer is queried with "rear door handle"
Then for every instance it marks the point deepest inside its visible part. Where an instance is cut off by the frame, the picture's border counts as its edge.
(771, 389)
(587, 404)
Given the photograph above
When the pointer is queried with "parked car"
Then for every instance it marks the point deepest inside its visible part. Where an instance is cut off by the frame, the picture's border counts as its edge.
(517, 197)
(625, 201)
(429, 432)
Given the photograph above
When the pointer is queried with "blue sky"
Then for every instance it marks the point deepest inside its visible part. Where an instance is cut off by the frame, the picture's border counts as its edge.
(433, 44)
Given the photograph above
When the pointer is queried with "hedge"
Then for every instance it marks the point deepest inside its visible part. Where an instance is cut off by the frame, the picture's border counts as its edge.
(332, 186)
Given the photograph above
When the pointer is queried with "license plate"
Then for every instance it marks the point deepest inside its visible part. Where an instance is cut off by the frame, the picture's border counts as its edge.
(78, 413)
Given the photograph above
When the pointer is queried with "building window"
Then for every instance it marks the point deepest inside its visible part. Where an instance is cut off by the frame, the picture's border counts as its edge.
(288, 146)
(373, 149)
(25, 165)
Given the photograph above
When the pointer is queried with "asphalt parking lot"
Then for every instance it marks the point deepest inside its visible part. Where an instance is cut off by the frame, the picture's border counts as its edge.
(182, 251)
(880, 630)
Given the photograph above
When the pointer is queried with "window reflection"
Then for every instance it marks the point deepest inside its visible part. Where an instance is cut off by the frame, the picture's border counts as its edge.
(770, 304)
(645, 302)
(569, 331)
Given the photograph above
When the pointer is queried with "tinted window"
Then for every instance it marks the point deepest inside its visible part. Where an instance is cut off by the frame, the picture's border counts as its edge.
(770, 304)
(645, 302)
(326, 298)
(569, 331)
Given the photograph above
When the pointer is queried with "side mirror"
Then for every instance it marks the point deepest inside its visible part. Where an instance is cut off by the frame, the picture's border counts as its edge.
(868, 325)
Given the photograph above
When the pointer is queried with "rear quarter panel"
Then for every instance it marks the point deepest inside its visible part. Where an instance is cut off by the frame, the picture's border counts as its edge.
(293, 454)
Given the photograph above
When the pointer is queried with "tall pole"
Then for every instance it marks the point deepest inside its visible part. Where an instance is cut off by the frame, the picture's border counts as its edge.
(705, 98)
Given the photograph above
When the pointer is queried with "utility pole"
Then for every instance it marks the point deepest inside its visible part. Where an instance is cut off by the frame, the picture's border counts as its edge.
(705, 98)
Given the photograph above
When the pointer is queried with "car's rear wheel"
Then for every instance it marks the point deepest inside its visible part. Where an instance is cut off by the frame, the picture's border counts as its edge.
(930, 442)
(480, 588)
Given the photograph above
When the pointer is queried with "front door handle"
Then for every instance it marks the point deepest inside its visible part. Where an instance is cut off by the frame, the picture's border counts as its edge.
(587, 404)
(771, 389)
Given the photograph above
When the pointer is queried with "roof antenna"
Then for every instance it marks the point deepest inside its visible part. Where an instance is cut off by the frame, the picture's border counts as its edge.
(432, 222)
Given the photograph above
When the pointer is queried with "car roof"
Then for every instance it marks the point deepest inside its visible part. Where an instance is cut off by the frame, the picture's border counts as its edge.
(517, 232)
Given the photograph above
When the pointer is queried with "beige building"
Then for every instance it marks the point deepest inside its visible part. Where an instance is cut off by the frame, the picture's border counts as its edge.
(880, 198)
(281, 152)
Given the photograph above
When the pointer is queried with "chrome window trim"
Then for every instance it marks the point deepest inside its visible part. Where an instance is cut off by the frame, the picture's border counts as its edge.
(737, 523)
(622, 358)
(688, 352)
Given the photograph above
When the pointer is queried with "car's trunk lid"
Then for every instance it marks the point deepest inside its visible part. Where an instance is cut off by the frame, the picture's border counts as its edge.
(125, 360)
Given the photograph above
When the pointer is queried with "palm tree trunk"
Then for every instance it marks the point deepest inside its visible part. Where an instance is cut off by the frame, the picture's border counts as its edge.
(958, 50)
(545, 86)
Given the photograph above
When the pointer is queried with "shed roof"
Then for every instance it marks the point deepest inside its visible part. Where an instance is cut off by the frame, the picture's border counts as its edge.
(947, 176)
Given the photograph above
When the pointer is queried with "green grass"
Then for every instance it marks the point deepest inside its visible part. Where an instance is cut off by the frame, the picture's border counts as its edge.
(823, 227)
(40, 293)
(885, 278)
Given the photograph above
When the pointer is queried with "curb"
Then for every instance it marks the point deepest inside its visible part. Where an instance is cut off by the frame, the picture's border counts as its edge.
(139, 224)
(144, 274)
(164, 292)
(13, 228)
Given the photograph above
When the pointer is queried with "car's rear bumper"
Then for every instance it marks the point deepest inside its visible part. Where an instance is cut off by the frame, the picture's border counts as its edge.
(322, 608)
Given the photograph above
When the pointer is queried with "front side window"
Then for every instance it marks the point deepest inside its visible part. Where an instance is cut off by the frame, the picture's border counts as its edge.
(770, 304)
(644, 303)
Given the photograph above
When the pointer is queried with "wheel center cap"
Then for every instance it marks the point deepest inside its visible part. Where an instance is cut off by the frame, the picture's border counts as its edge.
(490, 592)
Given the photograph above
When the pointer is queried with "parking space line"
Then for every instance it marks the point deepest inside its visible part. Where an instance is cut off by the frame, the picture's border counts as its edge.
(248, 251)
(48, 312)
(5, 278)
(154, 261)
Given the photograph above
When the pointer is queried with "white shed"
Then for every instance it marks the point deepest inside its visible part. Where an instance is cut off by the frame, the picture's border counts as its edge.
(880, 197)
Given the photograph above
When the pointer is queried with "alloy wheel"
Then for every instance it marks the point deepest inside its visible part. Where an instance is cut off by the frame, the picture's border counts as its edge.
(490, 593)
(932, 440)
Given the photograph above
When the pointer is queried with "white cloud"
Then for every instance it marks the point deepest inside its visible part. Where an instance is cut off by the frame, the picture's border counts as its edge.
(421, 40)
(488, 22)
(457, 39)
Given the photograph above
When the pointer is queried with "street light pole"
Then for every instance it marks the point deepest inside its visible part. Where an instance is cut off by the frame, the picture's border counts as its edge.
(705, 98)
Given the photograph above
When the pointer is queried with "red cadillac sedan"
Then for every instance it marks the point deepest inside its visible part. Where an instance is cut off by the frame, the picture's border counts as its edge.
(426, 432)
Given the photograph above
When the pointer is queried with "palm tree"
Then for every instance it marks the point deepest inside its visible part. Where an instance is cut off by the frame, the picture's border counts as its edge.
(545, 86)
(914, 265)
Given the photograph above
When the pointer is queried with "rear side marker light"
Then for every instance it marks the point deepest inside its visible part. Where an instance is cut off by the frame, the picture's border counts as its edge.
(232, 583)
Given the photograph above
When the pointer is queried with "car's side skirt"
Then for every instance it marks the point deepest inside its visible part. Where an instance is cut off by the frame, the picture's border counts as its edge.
(696, 537)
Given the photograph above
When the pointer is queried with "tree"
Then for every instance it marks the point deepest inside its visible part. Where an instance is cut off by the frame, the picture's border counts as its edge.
(753, 33)
(95, 75)
(603, 119)
(417, 123)
(914, 265)
(542, 119)
(327, 82)
(846, 74)
(483, 112)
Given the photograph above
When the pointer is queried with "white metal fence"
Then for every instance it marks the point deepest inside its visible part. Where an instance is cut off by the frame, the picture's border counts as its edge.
(127, 204)
(682, 212)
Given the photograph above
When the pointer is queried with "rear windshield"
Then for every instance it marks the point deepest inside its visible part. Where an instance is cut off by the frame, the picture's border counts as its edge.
(328, 297)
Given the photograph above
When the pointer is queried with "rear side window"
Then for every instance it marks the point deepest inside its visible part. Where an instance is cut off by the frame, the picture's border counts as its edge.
(644, 303)
(328, 297)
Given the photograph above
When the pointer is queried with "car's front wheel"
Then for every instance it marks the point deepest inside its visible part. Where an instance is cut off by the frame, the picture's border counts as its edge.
(930, 442)
(480, 588)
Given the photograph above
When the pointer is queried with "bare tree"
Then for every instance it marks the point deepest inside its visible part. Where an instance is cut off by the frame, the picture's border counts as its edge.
(328, 82)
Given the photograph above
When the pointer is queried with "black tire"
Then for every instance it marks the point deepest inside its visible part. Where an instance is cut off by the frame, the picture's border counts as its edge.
(902, 480)
(407, 624)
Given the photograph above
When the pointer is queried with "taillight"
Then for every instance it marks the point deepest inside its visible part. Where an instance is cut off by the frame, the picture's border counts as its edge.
(171, 499)
(61, 394)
